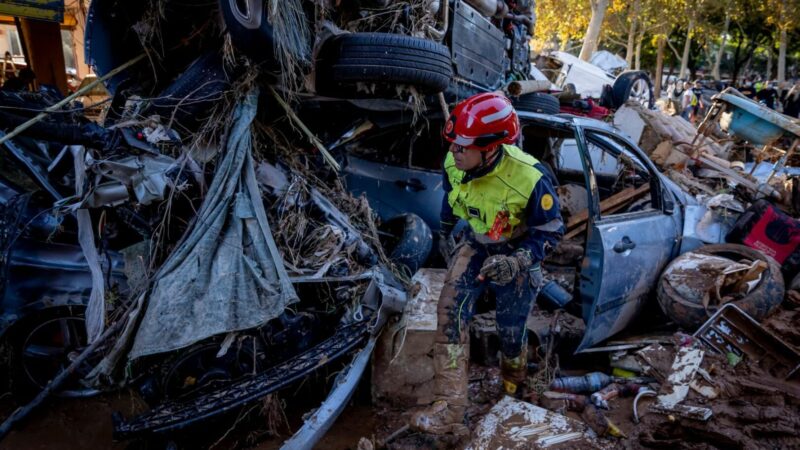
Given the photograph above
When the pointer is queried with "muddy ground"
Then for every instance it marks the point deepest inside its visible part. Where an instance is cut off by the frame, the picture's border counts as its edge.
(751, 410)
(73, 424)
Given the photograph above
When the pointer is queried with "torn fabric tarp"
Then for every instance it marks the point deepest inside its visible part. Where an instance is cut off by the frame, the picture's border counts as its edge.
(227, 273)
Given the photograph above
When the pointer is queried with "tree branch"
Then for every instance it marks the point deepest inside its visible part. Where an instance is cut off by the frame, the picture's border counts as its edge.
(674, 50)
(614, 41)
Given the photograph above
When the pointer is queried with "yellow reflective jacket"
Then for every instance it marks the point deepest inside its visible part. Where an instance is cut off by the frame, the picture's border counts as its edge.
(507, 187)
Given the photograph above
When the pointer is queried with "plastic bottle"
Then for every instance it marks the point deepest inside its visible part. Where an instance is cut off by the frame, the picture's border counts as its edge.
(591, 382)
(613, 390)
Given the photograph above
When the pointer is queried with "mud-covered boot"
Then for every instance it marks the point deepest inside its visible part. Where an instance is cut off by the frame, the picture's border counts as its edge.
(451, 381)
(514, 372)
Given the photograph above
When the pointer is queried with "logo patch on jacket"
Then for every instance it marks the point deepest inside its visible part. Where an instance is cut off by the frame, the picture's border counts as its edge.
(547, 202)
(474, 212)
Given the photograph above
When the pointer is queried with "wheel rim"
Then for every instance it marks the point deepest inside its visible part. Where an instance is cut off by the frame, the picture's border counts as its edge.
(246, 12)
(640, 92)
(50, 348)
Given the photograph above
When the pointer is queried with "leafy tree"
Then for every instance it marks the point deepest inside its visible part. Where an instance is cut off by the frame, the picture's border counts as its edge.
(560, 21)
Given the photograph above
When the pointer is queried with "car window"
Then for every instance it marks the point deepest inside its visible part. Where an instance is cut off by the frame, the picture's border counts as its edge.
(623, 180)
(429, 147)
(568, 160)
(385, 146)
(420, 146)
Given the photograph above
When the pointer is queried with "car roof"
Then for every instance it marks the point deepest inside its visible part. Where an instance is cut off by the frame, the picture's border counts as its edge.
(567, 121)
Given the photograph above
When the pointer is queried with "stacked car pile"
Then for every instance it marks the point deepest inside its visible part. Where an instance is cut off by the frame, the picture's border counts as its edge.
(260, 198)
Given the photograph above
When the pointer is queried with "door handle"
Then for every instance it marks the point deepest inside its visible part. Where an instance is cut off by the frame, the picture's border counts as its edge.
(413, 184)
(624, 245)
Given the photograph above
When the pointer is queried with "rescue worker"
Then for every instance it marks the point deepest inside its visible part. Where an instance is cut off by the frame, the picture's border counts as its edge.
(508, 199)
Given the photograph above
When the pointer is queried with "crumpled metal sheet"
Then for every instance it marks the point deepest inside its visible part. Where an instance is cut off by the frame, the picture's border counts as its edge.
(227, 273)
(95, 309)
(144, 175)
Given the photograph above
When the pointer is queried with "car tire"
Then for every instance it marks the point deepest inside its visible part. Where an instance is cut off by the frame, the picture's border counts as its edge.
(537, 102)
(759, 303)
(347, 63)
(251, 32)
(193, 93)
(633, 85)
(31, 368)
(407, 240)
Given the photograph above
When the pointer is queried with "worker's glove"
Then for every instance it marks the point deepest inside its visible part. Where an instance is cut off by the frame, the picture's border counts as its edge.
(447, 244)
(502, 269)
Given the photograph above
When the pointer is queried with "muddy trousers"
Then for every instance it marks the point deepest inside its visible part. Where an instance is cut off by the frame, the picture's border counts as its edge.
(462, 290)
(451, 348)
(456, 306)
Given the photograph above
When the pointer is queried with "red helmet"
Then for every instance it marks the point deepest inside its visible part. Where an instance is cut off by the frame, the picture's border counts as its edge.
(482, 122)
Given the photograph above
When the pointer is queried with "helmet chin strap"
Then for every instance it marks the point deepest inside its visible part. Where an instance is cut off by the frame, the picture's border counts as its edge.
(488, 157)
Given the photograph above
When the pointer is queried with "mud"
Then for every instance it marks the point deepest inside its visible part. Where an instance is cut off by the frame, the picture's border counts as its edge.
(786, 324)
(750, 410)
(69, 424)
(746, 414)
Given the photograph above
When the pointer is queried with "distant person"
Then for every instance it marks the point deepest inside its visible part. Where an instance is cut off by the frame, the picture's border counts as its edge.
(747, 89)
(699, 107)
(21, 82)
(791, 104)
(674, 94)
(688, 102)
(768, 96)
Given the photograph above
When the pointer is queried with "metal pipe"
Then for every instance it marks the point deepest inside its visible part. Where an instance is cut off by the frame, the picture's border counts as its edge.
(444, 17)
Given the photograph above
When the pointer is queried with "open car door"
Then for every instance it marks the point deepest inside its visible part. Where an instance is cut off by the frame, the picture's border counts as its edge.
(633, 233)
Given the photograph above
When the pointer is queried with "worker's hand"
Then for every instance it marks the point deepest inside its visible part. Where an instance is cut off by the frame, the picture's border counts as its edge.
(503, 268)
(447, 244)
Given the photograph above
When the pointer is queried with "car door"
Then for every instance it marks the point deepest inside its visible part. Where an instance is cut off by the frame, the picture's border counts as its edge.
(626, 250)
(399, 172)
(394, 190)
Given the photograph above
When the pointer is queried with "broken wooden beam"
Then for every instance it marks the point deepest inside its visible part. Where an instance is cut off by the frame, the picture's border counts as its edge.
(576, 223)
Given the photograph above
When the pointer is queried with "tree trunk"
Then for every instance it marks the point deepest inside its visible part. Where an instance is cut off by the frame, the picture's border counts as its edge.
(593, 30)
(629, 49)
(782, 57)
(639, 41)
(686, 47)
(630, 44)
(769, 63)
(659, 65)
(747, 65)
(721, 50)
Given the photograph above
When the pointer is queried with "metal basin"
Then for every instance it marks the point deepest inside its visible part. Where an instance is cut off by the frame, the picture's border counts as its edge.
(754, 122)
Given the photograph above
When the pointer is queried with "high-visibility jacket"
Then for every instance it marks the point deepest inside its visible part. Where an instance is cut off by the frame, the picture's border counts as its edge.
(506, 188)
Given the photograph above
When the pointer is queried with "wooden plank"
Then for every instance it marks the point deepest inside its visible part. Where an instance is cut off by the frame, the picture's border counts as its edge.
(620, 198)
(577, 223)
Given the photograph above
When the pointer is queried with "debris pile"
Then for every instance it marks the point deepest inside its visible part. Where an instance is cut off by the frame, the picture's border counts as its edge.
(260, 217)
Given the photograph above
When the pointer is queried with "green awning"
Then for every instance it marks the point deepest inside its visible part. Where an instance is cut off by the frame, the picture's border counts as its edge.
(52, 10)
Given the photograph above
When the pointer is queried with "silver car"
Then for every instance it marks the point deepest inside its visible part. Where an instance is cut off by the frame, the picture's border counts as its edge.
(630, 219)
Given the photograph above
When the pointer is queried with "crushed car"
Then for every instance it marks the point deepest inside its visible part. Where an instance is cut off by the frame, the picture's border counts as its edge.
(619, 209)
(586, 89)
(374, 49)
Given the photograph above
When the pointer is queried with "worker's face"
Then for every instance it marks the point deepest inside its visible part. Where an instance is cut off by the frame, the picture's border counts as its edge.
(465, 158)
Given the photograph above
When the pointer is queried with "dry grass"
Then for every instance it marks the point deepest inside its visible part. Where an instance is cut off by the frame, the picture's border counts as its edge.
(292, 42)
